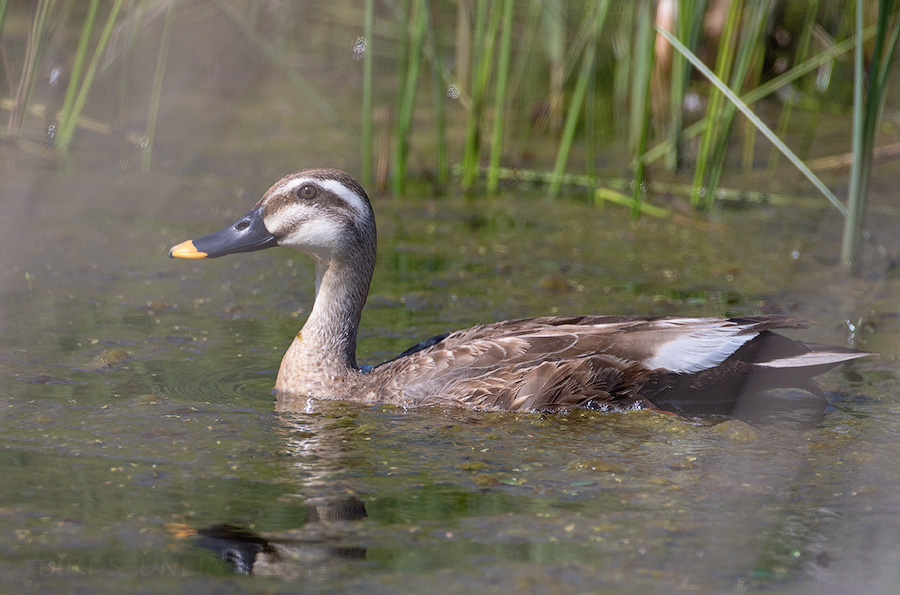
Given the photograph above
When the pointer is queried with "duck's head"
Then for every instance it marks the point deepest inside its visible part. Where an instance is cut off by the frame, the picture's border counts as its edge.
(322, 212)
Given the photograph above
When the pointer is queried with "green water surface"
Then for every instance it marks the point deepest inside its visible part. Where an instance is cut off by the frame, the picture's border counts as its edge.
(135, 391)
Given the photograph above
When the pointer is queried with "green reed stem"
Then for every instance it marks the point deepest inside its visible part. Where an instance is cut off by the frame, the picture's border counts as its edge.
(34, 49)
(751, 37)
(575, 106)
(485, 36)
(760, 125)
(646, 51)
(69, 120)
(623, 72)
(500, 96)
(688, 20)
(752, 80)
(866, 119)
(78, 66)
(4, 4)
(642, 58)
(799, 56)
(714, 116)
(591, 136)
(766, 88)
(402, 64)
(553, 41)
(366, 142)
(851, 245)
(156, 90)
(408, 98)
(442, 177)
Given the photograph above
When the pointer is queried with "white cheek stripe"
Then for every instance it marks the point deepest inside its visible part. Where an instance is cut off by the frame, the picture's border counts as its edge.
(315, 233)
(351, 198)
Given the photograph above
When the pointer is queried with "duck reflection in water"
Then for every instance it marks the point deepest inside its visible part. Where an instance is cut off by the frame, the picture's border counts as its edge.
(284, 555)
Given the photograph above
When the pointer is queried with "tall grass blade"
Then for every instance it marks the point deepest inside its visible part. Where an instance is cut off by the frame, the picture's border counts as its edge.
(553, 22)
(68, 120)
(591, 129)
(366, 143)
(642, 56)
(769, 87)
(34, 50)
(156, 90)
(866, 119)
(646, 52)
(402, 64)
(760, 125)
(750, 40)
(80, 55)
(850, 246)
(575, 106)
(800, 55)
(432, 52)
(4, 5)
(485, 36)
(623, 50)
(752, 80)
(500, 96)
(688, 19)
(462, 62)
(714, 119)
(408, 97)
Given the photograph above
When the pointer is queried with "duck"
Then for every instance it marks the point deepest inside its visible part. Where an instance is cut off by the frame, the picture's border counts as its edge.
(682, 365)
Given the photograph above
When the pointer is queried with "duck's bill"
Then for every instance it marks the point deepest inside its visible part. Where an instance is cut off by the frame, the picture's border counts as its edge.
(249, 233)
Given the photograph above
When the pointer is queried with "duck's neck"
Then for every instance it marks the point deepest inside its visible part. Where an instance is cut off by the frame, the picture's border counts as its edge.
(324, 351)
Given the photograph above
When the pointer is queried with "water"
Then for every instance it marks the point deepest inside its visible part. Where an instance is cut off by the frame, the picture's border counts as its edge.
(137, 407)
(141, 451)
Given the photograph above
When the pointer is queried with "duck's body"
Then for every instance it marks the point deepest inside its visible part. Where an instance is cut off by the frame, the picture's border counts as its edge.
(704, 365)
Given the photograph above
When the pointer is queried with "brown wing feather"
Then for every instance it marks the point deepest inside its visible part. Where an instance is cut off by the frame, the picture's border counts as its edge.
(551, 362)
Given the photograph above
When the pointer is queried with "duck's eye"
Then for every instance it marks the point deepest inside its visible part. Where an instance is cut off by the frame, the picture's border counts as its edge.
(242, 225)
(307, 192)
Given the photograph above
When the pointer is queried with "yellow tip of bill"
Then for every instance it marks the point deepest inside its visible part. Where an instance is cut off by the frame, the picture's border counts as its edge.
(186, 250)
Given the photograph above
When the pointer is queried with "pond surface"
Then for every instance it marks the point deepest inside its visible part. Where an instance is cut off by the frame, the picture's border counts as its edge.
(140, 449)
(137, 407)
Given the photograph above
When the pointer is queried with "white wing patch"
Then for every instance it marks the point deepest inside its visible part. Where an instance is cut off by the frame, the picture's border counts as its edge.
(700, 349)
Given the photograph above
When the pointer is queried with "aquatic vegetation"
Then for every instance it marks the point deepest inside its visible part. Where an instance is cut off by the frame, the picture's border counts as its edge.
(494, 85)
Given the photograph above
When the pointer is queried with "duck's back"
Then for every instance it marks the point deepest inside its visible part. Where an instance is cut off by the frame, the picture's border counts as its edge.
(598, 361)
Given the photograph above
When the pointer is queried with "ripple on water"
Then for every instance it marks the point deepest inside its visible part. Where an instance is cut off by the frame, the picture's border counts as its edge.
(196, 382)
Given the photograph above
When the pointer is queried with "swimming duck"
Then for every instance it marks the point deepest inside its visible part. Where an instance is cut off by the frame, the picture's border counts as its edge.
(687, 365)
